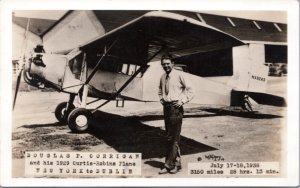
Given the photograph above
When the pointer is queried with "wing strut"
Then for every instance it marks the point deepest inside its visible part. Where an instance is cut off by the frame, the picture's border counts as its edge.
(154, 55)
(123, 86)
(88, 79)
(99, 62)
(84, 86)
(142, 68)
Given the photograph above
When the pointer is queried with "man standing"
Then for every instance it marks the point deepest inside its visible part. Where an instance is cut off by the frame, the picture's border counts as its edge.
(173, 94)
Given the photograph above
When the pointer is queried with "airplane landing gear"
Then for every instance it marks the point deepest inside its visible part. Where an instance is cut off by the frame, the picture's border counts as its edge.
(79, 120)
(62, 111)
(246, 104)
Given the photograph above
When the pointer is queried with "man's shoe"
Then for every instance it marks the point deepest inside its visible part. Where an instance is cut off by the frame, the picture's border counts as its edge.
(179, 168)
(173, 171)
(163, 171)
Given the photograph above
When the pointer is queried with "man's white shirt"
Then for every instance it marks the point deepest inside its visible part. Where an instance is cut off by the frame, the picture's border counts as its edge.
(179, 90)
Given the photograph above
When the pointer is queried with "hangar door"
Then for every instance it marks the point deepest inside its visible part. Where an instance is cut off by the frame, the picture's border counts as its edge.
(276, 53)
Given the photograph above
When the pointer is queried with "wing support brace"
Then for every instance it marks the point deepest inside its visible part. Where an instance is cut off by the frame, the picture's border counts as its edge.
(99, 63)
(142, 68)
(88, 79)
(114, 95)
(95, 68)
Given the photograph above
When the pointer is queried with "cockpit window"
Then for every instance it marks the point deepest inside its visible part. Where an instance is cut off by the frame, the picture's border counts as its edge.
(75, 65)
(114, 64)
(130, 69)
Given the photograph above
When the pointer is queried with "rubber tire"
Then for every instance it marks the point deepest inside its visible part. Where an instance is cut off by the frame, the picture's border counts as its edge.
(60, 112)
(74, 127)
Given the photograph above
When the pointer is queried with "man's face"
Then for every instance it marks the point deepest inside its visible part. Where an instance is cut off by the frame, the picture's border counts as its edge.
(167, 65)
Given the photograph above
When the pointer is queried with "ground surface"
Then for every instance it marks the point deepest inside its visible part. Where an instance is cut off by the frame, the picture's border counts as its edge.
(139, 127)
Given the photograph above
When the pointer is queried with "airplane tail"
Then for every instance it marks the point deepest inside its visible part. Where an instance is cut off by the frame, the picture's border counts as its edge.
(250, 78)
(253, 79)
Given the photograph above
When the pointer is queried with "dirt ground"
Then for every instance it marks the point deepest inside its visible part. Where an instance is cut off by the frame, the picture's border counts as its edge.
(139, 127)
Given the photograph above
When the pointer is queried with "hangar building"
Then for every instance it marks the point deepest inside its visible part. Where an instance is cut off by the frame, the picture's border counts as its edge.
(267, 41)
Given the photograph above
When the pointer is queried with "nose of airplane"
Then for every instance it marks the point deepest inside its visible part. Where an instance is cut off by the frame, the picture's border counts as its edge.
(46, 70)
(33, 71)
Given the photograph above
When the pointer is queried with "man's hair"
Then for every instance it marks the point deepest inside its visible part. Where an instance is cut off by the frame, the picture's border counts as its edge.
(167, 56)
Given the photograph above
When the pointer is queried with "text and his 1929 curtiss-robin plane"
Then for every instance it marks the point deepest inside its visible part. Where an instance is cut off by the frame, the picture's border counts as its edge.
(123, 65)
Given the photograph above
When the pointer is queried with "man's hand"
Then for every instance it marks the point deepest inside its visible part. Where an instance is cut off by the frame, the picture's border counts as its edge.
(177, 104)
(162, 101)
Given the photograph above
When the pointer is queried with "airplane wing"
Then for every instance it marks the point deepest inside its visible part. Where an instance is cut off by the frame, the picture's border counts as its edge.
(158, 32)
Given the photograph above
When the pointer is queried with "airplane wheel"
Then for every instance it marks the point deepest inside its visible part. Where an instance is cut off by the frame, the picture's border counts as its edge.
(61, 113)
(79, 120)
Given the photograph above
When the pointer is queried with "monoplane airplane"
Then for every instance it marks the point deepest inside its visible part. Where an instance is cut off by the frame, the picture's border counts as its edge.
(123, 63)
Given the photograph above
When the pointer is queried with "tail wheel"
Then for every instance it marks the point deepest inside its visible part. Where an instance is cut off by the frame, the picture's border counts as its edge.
(246, 105)
(62, 113)
(79, 120)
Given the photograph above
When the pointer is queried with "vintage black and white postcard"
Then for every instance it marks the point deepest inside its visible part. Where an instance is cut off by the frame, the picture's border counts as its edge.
(173, 94)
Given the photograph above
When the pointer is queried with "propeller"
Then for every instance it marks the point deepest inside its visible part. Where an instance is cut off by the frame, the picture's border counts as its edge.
(20, 73)
(17, 87)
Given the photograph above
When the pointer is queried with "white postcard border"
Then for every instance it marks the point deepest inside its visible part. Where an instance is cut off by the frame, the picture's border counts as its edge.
(293, 91)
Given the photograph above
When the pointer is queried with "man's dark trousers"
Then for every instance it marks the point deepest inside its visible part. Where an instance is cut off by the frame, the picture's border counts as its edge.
(173, 121)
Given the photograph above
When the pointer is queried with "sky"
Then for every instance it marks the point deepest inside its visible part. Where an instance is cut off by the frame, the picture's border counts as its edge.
(271, 16)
